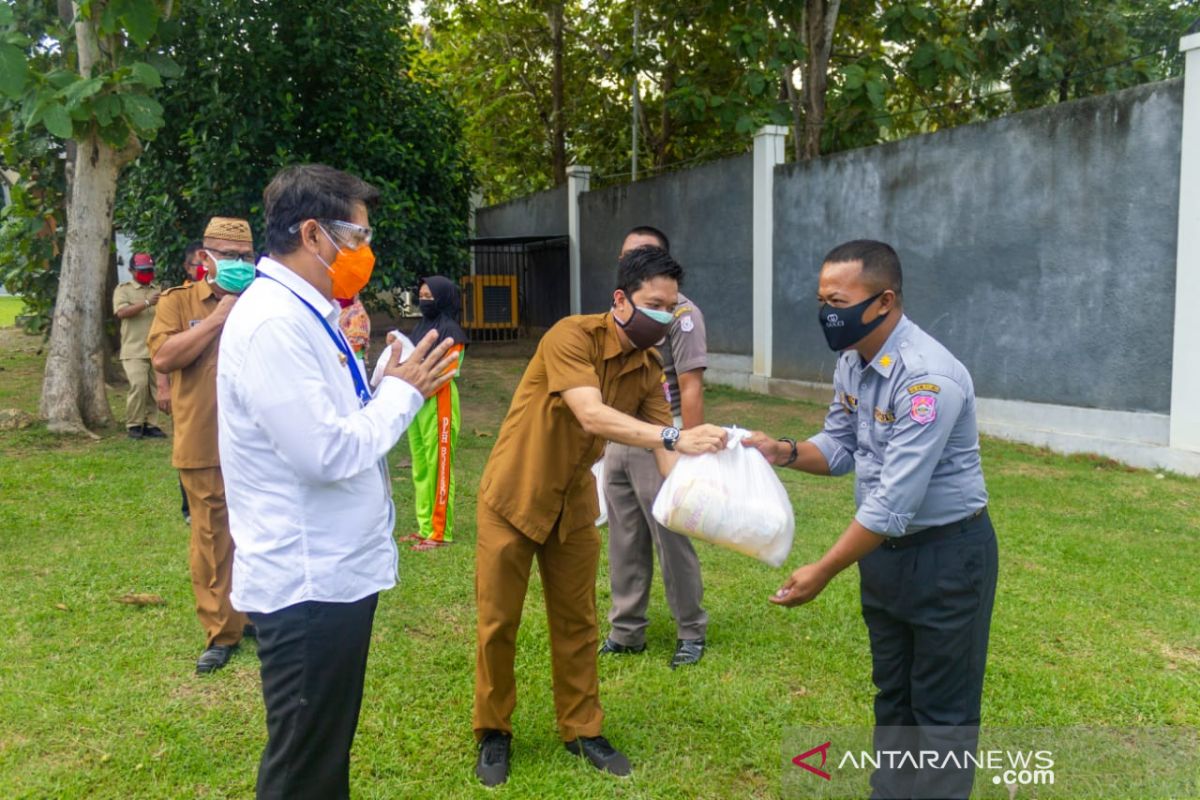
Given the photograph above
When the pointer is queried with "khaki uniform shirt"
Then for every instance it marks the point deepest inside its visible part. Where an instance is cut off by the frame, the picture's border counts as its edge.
(193, 388)
(686, 349)
(135, 329)
(540, 471)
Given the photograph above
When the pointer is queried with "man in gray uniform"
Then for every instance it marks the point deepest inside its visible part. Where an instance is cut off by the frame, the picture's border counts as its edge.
(903, 419)
(632, 481)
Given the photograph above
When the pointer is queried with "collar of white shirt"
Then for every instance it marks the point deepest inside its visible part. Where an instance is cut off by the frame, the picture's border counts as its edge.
(303, 289)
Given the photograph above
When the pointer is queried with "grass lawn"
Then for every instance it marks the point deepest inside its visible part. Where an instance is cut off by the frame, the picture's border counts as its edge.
(1097, 621)
(10, 307)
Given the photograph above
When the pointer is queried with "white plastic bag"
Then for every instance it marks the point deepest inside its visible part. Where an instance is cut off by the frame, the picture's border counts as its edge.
(598, 471)
(406, 349)
(732, 499)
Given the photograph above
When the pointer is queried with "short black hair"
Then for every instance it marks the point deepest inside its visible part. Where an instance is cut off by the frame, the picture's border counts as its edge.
(646, 263)
(880, 264)
(190, 251)
(310, 191)
(650, 230)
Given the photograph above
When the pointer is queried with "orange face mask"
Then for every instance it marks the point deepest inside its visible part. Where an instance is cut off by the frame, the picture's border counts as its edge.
(350, 270)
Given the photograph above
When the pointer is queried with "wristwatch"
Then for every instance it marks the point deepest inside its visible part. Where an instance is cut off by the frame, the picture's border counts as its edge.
(670, 436)
(793, 455)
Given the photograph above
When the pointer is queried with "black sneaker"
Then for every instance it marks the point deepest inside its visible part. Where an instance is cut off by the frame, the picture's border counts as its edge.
(602, 755)
(153, 432)
(215, 657)
(134, 432)
(614, 648)
(492, 765)
(687, 651)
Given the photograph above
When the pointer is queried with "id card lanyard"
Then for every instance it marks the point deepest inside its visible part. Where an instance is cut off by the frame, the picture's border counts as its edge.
(339, 341)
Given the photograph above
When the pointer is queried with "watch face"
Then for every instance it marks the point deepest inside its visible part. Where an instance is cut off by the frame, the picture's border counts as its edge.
(671, 434)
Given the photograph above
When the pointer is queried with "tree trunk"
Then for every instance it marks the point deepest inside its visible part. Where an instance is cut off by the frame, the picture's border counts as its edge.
(73, 394)
(559, 134)
(820, 18)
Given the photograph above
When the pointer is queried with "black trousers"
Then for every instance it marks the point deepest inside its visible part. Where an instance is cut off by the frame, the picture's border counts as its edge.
(928, 610)
(183, 503)
(314, 658)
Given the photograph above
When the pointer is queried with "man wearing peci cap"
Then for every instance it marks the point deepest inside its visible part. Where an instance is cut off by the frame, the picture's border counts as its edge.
(184, 341)
(133, 303)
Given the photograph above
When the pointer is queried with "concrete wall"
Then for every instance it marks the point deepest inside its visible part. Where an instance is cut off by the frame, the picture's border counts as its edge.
(541, 214)
(706, 212)
(1040, 248)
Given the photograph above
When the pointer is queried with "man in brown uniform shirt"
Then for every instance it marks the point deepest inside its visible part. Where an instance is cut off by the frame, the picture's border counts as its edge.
(593, 378)
(184, 342)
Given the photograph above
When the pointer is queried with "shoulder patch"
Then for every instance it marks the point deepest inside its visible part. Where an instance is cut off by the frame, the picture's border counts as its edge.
(681, 310)
(924, 409)
(174, 289)
(924, 387)
(686, 324)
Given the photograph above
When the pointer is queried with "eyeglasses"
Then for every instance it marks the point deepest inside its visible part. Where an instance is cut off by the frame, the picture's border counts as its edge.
(353, 236)
(230, 255)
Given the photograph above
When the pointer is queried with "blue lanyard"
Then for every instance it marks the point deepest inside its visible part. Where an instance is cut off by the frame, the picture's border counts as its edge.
(360, 384)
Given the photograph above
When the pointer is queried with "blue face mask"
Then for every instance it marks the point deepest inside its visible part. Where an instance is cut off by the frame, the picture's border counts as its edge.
(234, 276)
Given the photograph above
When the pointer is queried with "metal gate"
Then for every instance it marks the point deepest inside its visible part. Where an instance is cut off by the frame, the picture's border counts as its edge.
(518, 286)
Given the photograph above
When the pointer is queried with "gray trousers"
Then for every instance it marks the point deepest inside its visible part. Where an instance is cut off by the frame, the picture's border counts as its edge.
(631, 482)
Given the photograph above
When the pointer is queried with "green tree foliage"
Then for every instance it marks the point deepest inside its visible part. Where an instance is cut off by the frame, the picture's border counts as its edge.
(82, 72)
(266, 83)
(712, 71)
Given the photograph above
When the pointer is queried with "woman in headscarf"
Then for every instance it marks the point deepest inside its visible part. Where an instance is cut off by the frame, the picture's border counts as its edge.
(432, 454)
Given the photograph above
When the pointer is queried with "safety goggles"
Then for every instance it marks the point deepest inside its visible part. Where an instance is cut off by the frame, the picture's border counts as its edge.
(351, 235)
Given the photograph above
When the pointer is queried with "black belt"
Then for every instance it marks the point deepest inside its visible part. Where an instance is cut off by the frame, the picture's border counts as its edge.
(936, 533)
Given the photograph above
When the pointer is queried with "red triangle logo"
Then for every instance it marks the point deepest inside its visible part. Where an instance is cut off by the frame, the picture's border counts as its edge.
(800, 760)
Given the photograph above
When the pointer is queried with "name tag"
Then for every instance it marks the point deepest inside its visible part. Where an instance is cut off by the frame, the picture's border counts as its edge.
(194, 322)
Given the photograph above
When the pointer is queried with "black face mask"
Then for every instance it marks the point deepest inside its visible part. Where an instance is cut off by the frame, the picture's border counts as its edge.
(844, 327)
(429, 308)
(642, 329)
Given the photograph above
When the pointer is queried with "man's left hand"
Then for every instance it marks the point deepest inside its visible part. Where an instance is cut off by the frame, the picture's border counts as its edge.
(164, 395)
(804, 585)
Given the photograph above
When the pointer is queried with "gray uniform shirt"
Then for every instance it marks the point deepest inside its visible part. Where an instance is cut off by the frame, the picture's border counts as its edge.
(686, 349)
(905, 424)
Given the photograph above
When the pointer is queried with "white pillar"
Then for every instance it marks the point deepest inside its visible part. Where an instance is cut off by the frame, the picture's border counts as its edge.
(768, 153)
(476, 201)
(1185, 364)
(578, 180)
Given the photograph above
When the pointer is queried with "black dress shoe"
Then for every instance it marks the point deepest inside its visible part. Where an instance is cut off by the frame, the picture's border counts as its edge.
(135, 432)
(492, 765)
(687, 651)
(215, 657)
(602, 755)
(153, 432)
(613, 648)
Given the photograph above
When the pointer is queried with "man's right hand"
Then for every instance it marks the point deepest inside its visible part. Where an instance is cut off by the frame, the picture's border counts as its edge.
(701, 439)
(224, 306)
(428, 368)
(775, 451)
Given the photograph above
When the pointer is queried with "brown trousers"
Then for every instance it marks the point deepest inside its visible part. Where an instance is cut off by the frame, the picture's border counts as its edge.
(503, 559)
(211, 556)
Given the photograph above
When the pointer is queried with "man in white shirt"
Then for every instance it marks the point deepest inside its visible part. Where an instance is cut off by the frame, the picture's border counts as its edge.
(303, 445)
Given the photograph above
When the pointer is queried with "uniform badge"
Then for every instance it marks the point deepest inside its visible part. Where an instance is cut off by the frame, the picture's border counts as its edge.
(885, 417)
(885, 362)
(850, 402)
(924, 409)
(924, 387)
(686, 325)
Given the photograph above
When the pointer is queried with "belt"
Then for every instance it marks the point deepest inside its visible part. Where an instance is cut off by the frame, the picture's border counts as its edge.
(934, 534)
